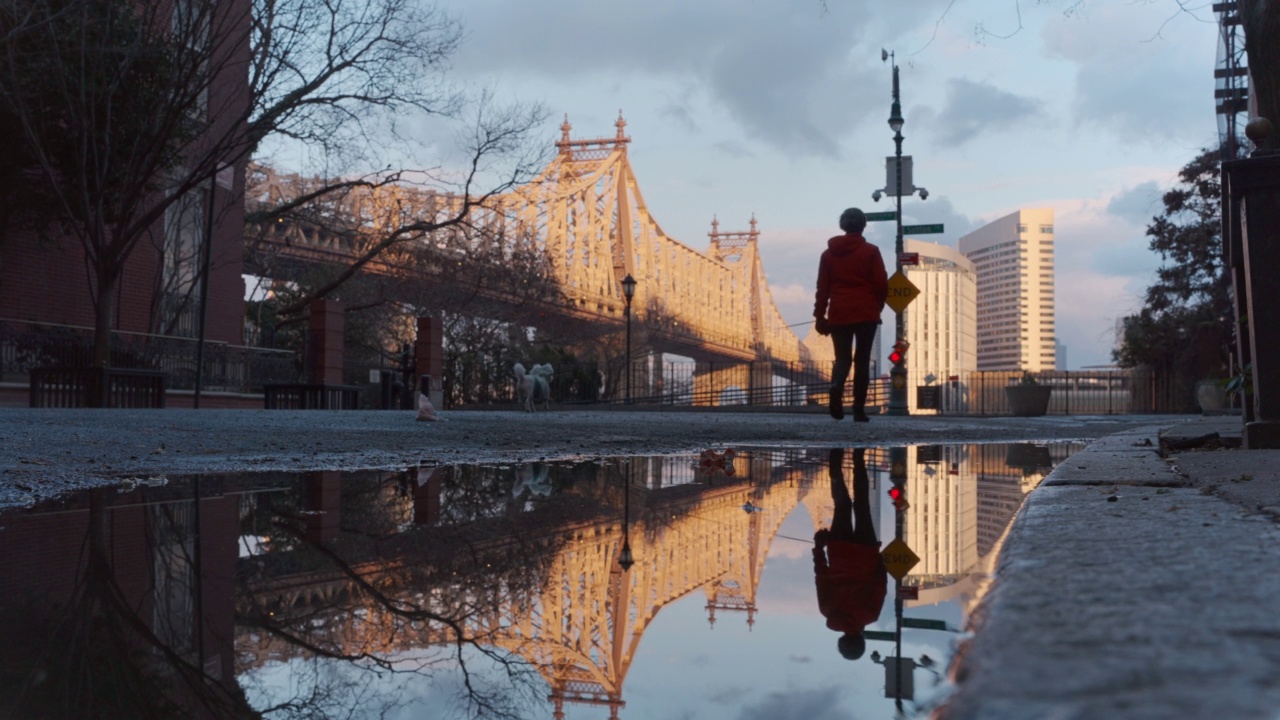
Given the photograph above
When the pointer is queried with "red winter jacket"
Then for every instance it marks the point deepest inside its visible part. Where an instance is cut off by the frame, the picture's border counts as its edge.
(852, 284)
(852, 583)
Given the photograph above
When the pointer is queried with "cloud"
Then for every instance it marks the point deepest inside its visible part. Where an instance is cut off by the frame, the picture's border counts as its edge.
(783, 71)
(940, 210)
(1137, 204)
(734, 149)
(972, 108)
(807, 704)
(1124, 52)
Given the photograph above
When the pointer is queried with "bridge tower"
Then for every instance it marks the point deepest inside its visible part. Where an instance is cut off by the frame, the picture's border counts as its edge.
(739, 251)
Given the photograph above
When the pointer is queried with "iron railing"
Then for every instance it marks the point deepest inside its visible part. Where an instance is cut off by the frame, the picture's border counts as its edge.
(705, 384)
(26, 346)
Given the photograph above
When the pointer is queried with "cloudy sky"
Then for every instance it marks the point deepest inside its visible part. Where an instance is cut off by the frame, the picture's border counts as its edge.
(778, 108)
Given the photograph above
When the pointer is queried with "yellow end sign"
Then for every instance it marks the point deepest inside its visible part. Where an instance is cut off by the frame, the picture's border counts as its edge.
(901, 292)
(899, 559)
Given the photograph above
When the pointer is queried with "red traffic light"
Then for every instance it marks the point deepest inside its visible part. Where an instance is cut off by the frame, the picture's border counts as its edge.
(899, 351)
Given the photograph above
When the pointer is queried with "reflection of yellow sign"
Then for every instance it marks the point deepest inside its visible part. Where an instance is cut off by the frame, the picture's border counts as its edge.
(901, 292)
(898, 558)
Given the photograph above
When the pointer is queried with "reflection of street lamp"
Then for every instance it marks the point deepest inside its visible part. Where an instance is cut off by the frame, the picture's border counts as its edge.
(625, 558)
(628, 292)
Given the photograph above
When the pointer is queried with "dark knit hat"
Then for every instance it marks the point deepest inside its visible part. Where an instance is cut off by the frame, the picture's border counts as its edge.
(853, 220)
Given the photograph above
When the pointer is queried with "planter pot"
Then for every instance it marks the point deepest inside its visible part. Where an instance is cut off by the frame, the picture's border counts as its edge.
(1028, 400)
(1211, 396)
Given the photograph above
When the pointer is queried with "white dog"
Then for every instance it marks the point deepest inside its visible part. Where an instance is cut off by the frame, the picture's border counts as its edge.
(542, 375)
(525, 386)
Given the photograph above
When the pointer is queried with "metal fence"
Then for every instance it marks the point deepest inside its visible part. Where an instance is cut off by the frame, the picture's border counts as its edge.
(1072, 392)
(26, 346)
(1116, 392)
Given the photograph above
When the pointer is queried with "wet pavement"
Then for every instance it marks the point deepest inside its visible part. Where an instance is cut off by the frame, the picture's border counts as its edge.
(43, 452)
(1131, 584)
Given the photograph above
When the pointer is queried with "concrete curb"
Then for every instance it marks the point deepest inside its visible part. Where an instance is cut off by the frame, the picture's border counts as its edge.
(1123, 591)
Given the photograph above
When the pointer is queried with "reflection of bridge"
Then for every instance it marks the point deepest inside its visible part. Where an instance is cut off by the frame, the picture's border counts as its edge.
(584, 213)
(579, 618)
(582, 624)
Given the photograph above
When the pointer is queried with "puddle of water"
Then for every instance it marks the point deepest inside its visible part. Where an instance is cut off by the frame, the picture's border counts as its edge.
(644, 587)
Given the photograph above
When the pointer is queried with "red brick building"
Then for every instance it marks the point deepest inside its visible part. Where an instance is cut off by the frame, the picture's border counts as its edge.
(47, 283)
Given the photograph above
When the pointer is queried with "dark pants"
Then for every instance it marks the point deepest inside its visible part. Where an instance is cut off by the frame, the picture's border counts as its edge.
(842, 338)
(852, 522)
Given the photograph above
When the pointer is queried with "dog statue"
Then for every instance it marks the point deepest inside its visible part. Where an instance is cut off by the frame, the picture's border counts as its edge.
(542, 375)
(526, 384)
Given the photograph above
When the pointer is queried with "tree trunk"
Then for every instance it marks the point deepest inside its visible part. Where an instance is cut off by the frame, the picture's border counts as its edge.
(104, 310)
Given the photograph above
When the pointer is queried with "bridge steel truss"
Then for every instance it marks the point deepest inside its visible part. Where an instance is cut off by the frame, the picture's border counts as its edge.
(585, 212)
(589, 216)
(582, 626)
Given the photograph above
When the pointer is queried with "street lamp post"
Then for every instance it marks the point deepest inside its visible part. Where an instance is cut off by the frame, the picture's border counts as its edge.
(898, 373)
(628, 292)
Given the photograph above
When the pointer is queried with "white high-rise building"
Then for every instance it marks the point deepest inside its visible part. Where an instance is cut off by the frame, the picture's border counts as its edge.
(1013, 257)
(941, 325)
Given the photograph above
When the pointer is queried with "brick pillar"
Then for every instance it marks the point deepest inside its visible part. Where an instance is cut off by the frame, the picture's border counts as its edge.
(426, 495)
(761, 379)
(322, 495)
(710, 380)
(429, 355)
(324, 340)
(1254, 186)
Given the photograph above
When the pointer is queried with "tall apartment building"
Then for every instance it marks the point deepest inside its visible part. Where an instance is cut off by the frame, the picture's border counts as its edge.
(1013, 257)
(941, 325)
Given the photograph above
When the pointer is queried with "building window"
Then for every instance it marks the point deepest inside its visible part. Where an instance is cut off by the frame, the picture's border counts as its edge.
(1046, 229)
(1022, 227)
(183, 243)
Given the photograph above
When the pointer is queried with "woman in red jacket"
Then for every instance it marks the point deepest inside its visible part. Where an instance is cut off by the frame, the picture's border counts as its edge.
(852, 287)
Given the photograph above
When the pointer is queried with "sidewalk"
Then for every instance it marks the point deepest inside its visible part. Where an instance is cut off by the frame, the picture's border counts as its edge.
(1135, 586)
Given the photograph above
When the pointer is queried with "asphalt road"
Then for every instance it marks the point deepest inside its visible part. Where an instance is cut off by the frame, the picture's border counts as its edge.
(43, 452)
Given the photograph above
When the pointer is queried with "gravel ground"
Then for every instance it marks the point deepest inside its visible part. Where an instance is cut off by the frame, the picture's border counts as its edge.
(44, 452)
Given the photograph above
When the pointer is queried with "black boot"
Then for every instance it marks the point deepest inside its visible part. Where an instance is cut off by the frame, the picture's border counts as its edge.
(835, 402)
(860, 415)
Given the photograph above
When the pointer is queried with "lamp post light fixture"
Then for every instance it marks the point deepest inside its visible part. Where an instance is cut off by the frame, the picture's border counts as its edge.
(628, 292)
(898, 373)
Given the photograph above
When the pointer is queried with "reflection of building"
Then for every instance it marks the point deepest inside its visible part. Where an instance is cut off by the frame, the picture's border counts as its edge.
(999, 490)
(941, 522)
(940, 322)
(110, 592)
(1015, 311)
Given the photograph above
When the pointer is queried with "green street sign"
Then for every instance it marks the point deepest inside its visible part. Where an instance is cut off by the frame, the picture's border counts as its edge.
(891, 215)
(920, 229)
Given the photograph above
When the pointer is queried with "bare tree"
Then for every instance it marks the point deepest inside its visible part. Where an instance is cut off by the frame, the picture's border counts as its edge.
(120, 111)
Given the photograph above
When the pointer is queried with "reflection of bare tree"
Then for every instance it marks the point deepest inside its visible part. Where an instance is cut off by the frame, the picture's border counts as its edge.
(116, 626)
(367, 595)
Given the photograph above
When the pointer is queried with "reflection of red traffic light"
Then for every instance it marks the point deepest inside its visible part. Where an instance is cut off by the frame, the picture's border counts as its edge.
(895, 357)
(898, 495)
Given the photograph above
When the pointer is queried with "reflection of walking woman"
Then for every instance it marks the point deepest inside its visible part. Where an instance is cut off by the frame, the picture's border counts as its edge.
(852, 287)
(847, 566)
